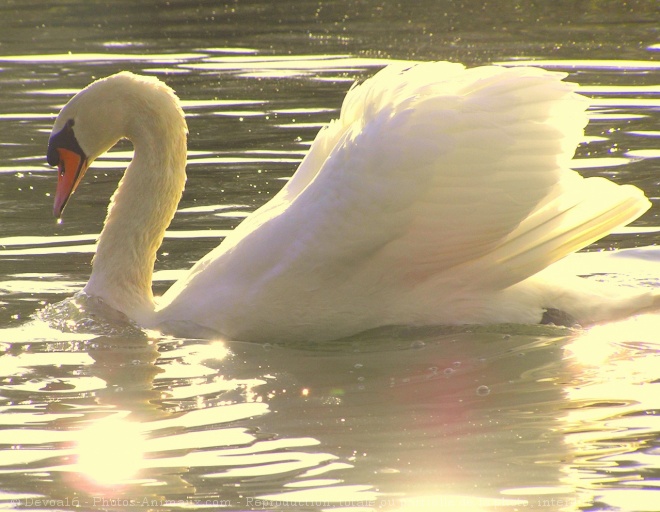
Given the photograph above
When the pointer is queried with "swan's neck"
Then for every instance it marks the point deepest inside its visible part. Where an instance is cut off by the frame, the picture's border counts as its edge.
(139, 213)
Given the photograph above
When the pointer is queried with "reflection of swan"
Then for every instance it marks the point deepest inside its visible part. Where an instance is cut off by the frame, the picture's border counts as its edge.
(437, 197)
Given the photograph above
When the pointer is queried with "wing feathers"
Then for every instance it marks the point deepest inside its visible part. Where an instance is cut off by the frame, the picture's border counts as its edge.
(586, 212)
(440, 166)
(431, 171)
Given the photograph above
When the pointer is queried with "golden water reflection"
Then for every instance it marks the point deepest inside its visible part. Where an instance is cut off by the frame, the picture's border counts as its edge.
(111, 450)
(390, 422)
(174, 411)
(610, 423)
(380, 423)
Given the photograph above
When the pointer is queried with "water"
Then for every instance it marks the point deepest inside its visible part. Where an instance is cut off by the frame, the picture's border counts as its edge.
(98, 415)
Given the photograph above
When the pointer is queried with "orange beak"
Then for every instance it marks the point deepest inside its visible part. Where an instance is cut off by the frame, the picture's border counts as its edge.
(71, 168)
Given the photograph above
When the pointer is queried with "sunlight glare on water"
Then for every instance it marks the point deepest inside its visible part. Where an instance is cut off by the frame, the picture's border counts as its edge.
(111, 450)
(611, 395)
(601, 343)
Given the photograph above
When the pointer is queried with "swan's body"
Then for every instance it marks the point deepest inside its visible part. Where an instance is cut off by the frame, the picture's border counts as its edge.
(440, 196)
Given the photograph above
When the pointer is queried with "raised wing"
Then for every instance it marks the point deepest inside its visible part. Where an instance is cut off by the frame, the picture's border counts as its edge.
(437, 166)
(430, 171)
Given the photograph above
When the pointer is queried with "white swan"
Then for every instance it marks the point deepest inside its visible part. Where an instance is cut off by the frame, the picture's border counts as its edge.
(440, 196)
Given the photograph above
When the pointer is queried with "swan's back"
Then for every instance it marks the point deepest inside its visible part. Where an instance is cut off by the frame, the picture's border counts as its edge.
(437, 190)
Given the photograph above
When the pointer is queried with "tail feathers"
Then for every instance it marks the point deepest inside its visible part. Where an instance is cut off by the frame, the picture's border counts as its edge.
(654, 307)
(590, 302)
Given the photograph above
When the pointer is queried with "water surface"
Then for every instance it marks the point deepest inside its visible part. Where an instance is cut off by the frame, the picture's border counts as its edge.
(98, 415)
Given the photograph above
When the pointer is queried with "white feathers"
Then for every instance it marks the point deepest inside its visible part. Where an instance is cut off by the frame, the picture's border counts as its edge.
(436, 197)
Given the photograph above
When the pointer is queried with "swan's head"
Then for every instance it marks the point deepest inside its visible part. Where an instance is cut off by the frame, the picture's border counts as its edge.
(96, 118)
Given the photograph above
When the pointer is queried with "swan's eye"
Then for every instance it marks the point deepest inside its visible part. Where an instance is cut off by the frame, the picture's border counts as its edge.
(64, 139)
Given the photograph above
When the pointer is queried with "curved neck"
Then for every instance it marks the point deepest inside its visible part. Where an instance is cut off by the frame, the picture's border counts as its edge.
(139, 213)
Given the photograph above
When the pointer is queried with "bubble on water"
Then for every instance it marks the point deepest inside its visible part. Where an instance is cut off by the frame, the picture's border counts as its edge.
(448, 371)
(417, 344)
(483, 391)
